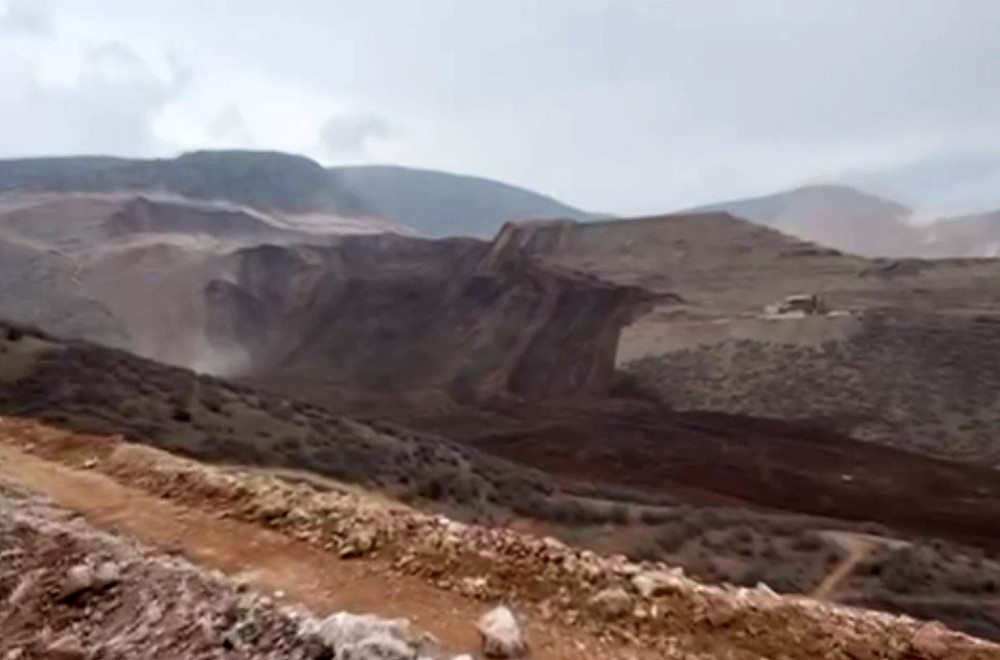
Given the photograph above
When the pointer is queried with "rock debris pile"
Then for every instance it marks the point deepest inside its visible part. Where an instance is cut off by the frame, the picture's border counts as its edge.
(70, 592)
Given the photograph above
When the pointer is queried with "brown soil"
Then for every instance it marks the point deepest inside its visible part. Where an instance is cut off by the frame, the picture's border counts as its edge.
(721, 623)
(620, 474)
(717, 459)
(273, 562)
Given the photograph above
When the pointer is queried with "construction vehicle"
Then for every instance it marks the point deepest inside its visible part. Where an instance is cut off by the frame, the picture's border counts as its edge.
(806, 304)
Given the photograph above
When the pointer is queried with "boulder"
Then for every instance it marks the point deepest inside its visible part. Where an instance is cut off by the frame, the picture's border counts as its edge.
(78, 579)
(83, 578)
(501, 634)
(649, 584)
(347, 636)
(932, 641)
(107, 574)
(379, 646)
(359, 542)
(612, 603)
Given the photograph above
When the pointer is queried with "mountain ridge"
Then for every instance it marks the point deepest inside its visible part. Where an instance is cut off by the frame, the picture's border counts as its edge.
(847, 218)
(431, 202)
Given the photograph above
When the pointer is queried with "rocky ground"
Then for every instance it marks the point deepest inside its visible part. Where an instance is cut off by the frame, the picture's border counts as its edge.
(627, 606)
(71, 592)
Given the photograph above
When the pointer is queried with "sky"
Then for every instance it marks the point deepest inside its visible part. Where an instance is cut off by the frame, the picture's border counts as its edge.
(623, 106)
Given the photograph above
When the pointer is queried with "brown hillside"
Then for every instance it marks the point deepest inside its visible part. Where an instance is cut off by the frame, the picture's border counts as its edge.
(723, 497)
(374, 317)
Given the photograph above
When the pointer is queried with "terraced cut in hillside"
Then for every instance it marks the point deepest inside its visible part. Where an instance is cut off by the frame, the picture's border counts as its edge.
(716, 265)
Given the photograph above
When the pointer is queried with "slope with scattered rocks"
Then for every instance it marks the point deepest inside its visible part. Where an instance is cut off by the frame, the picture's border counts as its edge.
(69, 591)
(542, 578)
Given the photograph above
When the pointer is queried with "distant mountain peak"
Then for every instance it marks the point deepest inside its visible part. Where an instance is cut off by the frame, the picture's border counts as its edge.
(845, 193)
(833, 215)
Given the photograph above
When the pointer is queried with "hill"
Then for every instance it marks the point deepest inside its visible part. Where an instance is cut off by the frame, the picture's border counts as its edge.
(86, 265)
(389, 319)
(853, 221)
(431, 203)
(721, 265)
(485, 376)
(918, 381)
(684, 501)
(905, 360)
(441, 204)
(836, 216)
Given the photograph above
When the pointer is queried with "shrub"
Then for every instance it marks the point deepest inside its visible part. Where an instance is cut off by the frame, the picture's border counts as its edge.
(656, 516)
(671, 537)
(618, 513)
(808, 542)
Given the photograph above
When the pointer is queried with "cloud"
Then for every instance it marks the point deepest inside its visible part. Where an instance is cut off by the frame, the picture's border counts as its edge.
(76, 96)
(626, 105)
(25, 17)
(351, 134)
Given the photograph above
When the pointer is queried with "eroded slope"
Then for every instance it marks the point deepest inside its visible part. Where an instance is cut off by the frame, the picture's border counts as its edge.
(388, 320)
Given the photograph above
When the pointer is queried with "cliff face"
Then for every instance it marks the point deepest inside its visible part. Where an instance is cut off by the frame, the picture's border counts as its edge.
(390, 315)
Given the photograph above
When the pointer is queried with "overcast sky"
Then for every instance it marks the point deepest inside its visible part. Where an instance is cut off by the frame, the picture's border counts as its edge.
(620, 105)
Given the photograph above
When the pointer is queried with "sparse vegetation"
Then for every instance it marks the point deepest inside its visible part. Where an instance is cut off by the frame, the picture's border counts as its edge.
(917, 382)
(214, 420)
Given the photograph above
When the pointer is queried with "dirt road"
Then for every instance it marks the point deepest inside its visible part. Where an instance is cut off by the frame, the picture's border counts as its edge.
(275, 563)
(859, 547)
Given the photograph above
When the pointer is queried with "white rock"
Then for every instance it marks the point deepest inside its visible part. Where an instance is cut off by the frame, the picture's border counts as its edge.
(380, 646)
(655, 583)
(363, 637)
(611, 603)
(501, 634)
(79, 579)
(107, 574)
